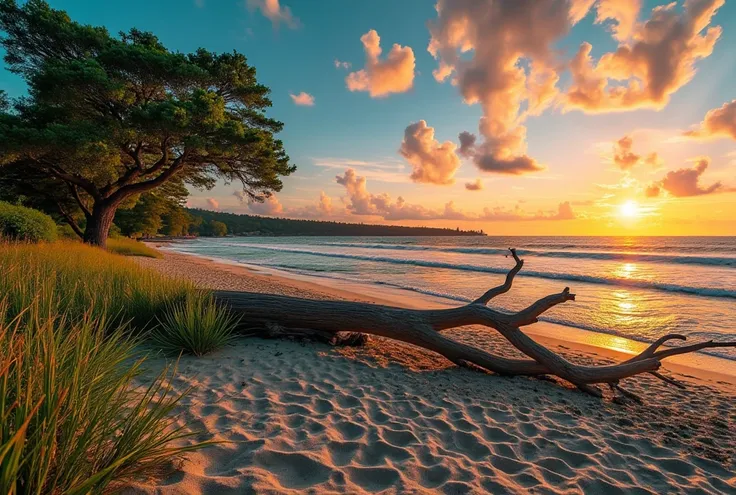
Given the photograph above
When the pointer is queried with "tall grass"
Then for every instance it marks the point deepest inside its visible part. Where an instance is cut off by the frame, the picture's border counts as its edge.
(73, 279)
(196, 325)
(71, 419)
(130, 247)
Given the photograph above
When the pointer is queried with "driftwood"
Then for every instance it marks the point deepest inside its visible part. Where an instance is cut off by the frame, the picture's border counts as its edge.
(272, 315)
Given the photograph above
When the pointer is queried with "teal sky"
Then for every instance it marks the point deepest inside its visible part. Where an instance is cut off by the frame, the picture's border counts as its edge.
(350, 129)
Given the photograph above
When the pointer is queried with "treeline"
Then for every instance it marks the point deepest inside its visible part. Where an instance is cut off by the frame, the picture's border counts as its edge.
(256, 225)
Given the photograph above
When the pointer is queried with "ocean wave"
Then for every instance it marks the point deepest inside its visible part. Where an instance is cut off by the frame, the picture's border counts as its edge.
(595, 255)
(591, 279)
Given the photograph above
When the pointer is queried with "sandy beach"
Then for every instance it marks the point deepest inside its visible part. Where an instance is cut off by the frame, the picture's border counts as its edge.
(296, 417)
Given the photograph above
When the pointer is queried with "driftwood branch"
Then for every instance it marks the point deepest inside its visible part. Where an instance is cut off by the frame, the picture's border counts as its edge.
(344, 321)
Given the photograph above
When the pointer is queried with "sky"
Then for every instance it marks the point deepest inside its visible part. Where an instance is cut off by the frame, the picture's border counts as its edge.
(523, 117)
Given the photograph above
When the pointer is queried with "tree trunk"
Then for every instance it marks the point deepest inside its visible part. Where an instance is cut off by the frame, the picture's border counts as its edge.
(271, 315)
(98, 225)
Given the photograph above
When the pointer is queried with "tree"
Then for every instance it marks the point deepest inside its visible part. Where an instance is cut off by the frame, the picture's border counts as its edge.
(215, 228)
(146, 216)
(109, 118)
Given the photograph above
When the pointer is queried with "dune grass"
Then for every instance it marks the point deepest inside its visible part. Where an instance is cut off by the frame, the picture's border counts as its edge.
(71, 321)
(71, 419)
(73, 279)
(130, 247)
(195, 325)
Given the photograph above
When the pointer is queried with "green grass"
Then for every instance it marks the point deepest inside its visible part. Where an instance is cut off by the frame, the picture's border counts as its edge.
(130, 247)
(71, 321)
(72, 420)
(196, 326)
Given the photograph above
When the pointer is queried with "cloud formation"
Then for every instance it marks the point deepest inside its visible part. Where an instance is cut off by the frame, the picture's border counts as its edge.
(303, 99)
(626, 159)
(270, 206)
(684, 182)
(719, 122)
(481, 47)
(474, 186)
(213, 203)
(654, 59)
(339, 64)
(433, 162)
(361, 202)
(275, 12)
(381, 78)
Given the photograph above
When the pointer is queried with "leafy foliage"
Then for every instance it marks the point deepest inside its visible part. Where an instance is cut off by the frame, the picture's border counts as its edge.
(111, 118)
(19, 223)
(196, 326)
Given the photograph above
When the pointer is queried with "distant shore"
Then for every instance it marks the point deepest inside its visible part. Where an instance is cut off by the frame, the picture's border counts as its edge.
(390, 418)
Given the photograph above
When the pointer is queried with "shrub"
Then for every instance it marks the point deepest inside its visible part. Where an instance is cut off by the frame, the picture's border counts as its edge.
(71, 420)
(19, 223)
(195, 326)
(130, 247)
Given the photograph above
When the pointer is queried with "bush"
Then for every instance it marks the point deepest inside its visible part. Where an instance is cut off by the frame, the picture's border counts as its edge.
(130, 247)
(71, 420)
(19, 223)
(195, 326)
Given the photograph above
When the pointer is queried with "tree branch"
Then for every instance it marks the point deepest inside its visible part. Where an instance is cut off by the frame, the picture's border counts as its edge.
(78, 198)
(531, 314)
(506, 286)
(141, 187)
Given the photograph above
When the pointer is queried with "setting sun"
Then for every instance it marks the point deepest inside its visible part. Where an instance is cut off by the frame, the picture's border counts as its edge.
(629, 209)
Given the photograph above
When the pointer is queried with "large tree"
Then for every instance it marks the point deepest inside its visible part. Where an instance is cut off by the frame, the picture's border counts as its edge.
(110, 118)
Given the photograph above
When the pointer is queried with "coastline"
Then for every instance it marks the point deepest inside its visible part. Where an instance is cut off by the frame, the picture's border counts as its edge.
(291, 417)
(712, 370)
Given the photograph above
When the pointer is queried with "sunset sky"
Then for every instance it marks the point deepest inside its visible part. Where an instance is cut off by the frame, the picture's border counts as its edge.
(516, 117)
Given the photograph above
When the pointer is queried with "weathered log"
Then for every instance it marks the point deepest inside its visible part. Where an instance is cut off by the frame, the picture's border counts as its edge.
(269, 315)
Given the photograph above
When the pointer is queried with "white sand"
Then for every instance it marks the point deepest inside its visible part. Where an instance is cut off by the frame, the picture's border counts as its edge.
(307, 418)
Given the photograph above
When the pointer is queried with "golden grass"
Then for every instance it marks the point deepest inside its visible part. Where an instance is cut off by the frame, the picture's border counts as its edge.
(130, 247)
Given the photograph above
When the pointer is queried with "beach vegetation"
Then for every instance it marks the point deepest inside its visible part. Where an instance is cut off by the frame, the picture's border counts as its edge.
(196, 326)
(130, 247)
(18, 223)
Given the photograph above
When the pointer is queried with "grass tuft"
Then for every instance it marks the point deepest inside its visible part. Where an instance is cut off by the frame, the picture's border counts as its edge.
(130, 247)
(195, 326)
(71, 418)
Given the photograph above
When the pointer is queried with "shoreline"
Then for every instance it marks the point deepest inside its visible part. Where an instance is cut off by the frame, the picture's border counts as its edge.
(293, 417)
(699, 367)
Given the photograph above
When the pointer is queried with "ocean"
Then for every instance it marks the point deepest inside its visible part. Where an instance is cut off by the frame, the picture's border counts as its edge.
(634, 287)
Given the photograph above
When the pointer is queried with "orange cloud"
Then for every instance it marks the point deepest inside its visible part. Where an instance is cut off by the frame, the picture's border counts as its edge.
(645, 71)
(474, 186)
(303, 99)
(719, 122)
(361, 202)
(480, 46)
(213, 203)
(623, 13)
(380, 78)
(276, 13)
(684, 182)
(433, 162)
(269, 206)
(626, 159)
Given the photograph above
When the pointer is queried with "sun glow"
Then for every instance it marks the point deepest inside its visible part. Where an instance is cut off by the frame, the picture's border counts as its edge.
(629, 209)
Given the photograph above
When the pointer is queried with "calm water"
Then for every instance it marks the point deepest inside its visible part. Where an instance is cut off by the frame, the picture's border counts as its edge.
(638, 287)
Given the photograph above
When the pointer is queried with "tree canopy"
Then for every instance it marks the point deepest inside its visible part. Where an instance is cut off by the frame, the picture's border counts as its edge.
(110, 118)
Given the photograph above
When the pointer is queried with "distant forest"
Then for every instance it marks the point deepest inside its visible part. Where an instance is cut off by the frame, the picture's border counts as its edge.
(256, 225)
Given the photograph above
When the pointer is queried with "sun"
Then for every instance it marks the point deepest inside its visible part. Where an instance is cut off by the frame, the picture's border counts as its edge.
(629, 209)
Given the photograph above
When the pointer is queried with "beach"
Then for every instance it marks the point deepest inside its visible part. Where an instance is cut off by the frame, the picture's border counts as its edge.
(303, 417)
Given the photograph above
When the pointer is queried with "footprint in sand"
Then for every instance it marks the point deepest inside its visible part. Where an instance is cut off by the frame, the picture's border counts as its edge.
(373, 479)
(293, 470)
